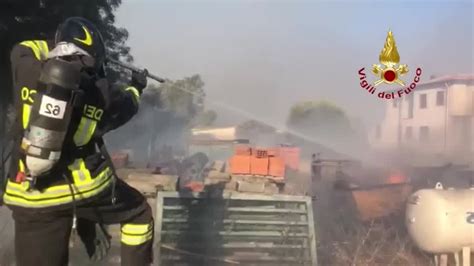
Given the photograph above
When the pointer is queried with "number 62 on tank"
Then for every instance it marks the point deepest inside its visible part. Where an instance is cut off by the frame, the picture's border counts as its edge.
(51, 107)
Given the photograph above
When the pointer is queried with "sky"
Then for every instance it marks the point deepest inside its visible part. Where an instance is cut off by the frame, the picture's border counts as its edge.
(261, 57)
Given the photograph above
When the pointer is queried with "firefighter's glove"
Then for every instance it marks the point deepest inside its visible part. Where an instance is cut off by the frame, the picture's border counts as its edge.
(139, 80)
(95, 238)
(96, 86)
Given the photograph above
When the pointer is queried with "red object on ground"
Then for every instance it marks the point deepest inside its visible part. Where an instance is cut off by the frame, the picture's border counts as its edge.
(397, 179)
(195, 186)
(240, 164)
(276, 167)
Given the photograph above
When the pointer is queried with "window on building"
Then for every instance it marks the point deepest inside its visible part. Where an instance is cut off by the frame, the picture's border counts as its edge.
(423, 101)
(408, 133)
(378, 132)
(411, 104)
(424, 133)
(440, 98)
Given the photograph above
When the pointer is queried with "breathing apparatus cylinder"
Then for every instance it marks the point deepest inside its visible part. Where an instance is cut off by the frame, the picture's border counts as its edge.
(51, 114)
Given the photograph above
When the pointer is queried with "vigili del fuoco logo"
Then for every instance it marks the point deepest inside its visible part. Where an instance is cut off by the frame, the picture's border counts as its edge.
(389, 72)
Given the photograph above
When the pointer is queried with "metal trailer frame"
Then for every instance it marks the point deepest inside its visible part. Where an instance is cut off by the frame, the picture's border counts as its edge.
(284, 223)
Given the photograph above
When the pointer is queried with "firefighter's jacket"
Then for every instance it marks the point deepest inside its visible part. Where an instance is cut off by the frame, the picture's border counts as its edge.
(82, 164)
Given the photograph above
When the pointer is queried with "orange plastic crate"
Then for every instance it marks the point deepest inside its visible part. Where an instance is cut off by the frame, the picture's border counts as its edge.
(276, 167)
(240, 164)
(259, 166)
(261, 153)
(273, 152)
(242, 150)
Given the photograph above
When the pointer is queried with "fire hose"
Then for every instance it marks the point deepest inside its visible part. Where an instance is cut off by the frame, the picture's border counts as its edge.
(136, 69)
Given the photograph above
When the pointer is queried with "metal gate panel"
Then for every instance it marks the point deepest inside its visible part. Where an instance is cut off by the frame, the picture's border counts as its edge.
(231, 228)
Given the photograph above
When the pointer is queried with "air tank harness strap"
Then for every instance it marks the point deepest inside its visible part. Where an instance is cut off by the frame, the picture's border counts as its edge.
(105, 153)
(77, 95)
(74, 208)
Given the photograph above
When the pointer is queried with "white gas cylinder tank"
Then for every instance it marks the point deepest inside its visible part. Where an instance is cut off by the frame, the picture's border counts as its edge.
(441, 220)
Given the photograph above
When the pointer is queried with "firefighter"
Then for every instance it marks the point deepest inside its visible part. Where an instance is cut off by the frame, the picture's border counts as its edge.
(48, 195)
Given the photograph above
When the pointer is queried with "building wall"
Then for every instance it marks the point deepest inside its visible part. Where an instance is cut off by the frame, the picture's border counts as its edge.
(387, 136)
(397, 120)
(461, 121)
(450, 123)
(432, 116)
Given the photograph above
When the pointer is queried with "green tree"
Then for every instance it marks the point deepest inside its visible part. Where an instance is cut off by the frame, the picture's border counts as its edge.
(38, 19)
(319, 118)
(205, 118)
(184, 97)
(321, 126)
(252, 129)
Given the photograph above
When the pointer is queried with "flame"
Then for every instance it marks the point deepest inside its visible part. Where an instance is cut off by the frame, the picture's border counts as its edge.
(389, 55)
(397, 177)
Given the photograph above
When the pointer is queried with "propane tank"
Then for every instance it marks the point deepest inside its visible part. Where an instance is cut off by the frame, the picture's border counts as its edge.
(441, 220)
(51, 114)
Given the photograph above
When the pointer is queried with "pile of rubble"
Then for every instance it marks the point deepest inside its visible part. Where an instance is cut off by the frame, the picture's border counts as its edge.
(148, 181)
(217, 174)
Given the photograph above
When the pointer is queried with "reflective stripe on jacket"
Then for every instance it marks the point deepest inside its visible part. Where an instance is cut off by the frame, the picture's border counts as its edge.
(85, 186)
(40, 50)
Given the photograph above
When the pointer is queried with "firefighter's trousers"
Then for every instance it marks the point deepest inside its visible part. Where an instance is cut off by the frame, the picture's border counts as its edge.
(42, 237)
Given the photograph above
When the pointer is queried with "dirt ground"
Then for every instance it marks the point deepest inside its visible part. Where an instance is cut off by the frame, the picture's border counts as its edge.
(6, 235)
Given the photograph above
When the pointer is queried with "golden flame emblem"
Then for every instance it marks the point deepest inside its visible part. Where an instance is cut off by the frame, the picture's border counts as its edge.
(389, 58)
(389, 55)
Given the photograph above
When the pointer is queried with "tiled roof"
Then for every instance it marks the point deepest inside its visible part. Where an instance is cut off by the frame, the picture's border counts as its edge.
(448, 78)
(438, 80)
